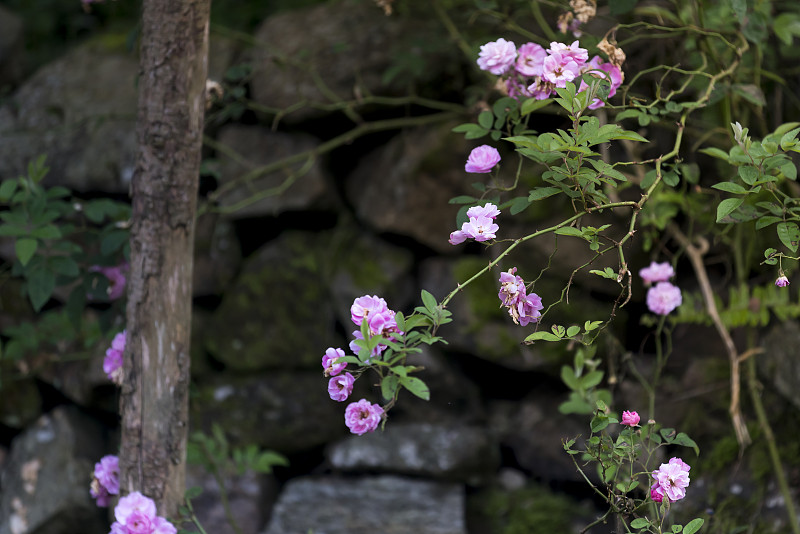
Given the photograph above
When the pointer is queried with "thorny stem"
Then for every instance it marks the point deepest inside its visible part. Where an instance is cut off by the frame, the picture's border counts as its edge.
(695, 253)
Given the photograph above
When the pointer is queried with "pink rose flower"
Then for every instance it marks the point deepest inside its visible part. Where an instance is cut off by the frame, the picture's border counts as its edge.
(105, 480)
(112, 363)
(656, 493)
(116, 278)
(672, 479)
(366, 306)
(559, 69)
(523, 308)
(663, 298)
(331, 355)
(487, 210)
(530, 59)
(362, 417)
(134, 502)
(572, 51)
(340, 387)
(480, 228)
(162, 526)
(482, 159)
(657, 272)
(497, 56)
(782, 281)
(630, 418)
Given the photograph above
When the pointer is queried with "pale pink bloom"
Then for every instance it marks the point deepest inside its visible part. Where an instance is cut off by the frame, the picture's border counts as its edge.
(523, 308)
(340, 387)
(559, 69)
(512, 287)
(134, 502)
(782, 281)
(139, 522)
(516, 88)
(672, 479)
(162, 526)
(118, 528)
(482, 159)
(362, 417)
(663, 298)
(457, 237)
(480, 228)
(657, 272)
(573, 51)
(366, 306)
(105, 480)
(630, 418)
(497, 56)
(328, 359)
(530, 59)
(487, 210)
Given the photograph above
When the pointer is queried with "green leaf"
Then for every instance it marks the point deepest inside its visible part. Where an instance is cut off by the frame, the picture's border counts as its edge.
(531, 105)
(46, 232)
(786, 26)
(640, 522)
(686, 441)
(693, 526)
(25, 249)
(751, 93)
(748, 174)
(40, 286)
(486, 119)
(789, 234)
(416, 386)
(766, 220)
(544, 336)
(7, 189)
(619, 7)
(569, 230)
(462, 199)
(542, 192)
(730, 187)
(192, 493)
(789, 170)
(573, 331)
(64, 266)
(588, 326)
(715, 152)
(569, 378)
(727, 206)
(429, 301)
(112, 242)
(471, 131)
(519, 204)
(591, 379)
(389, 386)
(671, 178)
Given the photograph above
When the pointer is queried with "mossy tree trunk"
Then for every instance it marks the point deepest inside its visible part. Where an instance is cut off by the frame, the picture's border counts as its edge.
(154, 401)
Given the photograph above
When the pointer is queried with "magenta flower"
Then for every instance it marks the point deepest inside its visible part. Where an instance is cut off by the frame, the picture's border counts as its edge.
(136, 514)
(523, 308)
(116, 278)
(630, 418)
(365, 307)
(162, 526)
(482, 159)
(134, 502)
(328, 359)
(663, 298)
(672, 479)
(105, 480)
(480, 228)
(497, 56)
(530, 59)
(657, 272)
(112, 363)
(782, 281)
(559, 69)
(362, 417)
(340, 387)
(139, 523)
(656, 493)
(541, 89)
(457, 237)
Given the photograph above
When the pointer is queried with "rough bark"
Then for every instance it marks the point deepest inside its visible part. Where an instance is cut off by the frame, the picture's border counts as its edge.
(154, 401)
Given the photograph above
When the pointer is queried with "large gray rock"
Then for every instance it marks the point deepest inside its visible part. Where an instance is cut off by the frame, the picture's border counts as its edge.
(333, 51)
(404, 186)
(80, 111)
(295, 186)
(46, 478)
(385, 504)
(12, 48)
(217, 254)
(246, 494)
(287, 412)
(779, 362)
(455, 452)
(278, 313)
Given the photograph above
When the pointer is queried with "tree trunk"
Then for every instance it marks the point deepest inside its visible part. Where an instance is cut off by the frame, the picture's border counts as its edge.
(154, 401)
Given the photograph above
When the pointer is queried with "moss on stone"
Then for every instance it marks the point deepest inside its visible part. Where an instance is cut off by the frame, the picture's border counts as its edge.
(533, 509)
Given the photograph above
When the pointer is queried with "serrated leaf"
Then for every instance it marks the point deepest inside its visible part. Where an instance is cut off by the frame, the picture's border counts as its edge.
(766, 220)
(112, 242)
(640, 522)
(789, 170)
(40, 286)
(542, 192)
(730, 187)
(519, 204)
(748, 174)
(486, 119)
(569, 230)
(429, 301)
(693, 526)
(727, 206)
(416, 387)
(789, 234)
(25, 249)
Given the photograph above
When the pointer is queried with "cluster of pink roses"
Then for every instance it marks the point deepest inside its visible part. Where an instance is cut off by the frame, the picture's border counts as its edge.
(533, 71)
(663, 297)
(136, 514)
(671, 481)
(105, 480)
(362, 416)
(522, 308)
(480, 226)
(112, 363)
